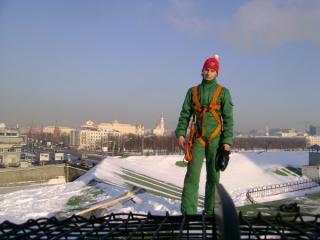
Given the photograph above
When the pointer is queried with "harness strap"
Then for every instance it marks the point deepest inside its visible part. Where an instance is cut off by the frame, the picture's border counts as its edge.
(215, 106)
(212, 109)
(197, 106)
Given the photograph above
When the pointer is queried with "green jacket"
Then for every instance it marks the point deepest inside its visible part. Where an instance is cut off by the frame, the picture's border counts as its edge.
(206, 91)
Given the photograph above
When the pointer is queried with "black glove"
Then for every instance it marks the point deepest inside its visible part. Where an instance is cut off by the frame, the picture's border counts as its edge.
(222, 159)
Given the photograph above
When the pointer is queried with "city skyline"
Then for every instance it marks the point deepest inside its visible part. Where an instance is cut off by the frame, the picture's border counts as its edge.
(263, 130)
(101, 60)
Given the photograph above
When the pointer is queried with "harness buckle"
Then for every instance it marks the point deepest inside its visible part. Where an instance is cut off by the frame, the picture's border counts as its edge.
(205, 108)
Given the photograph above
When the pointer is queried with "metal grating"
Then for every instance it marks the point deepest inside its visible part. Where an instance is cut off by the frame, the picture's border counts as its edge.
(140, 226)
(224, 223)
(114, 226)
(296, 226)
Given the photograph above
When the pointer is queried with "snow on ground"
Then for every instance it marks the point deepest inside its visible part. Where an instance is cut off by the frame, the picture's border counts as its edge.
(22, 205)
(253, 169)
(245, 170)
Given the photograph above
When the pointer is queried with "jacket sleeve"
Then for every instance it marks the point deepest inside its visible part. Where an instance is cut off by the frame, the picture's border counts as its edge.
(227, 118)
(185, 115)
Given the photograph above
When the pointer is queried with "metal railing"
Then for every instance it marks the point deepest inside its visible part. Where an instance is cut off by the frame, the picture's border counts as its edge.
(275, 189)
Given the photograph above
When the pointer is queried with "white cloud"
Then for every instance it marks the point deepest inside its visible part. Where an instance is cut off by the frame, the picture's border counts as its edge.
(183, 16)
(260, 25)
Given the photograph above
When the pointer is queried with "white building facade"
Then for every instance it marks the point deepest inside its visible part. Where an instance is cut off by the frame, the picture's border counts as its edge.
(96, 136)
(63, 130)
(122, 128)
(10, 148)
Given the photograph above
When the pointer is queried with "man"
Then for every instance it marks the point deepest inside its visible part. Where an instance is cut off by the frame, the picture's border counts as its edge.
(211, 107)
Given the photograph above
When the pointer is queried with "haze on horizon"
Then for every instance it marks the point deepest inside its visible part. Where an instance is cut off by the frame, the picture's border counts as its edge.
(131, 61)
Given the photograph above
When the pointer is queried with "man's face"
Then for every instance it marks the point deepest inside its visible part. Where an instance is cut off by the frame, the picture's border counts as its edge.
(209, 74)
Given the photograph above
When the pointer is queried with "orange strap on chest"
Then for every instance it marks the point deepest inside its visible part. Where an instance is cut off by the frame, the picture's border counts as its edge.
(212, 108)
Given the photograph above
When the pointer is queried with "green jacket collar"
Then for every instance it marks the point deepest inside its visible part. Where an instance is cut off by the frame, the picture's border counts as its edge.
(209, 83)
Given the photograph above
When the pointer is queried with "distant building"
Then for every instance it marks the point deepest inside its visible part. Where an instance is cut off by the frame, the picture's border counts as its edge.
(122, 128)
(2, 126)
(91, 139)
(34, 130)
(314, 155)
(314, 130)
(89, 125)
(313, 169)
(96, 136)
(10, 148)
(58, 134)
(312, 140)
(63, 130)
(280, 132)
(75, 138)
(255, 133)
(289, 133)
(56, 137)
(24, 130)
(159, 130)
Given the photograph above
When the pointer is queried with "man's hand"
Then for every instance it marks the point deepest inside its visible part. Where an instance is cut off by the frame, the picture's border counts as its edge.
(227, 147)
(181, 142)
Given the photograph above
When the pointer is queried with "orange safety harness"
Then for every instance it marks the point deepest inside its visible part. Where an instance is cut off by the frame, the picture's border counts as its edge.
(199, 112)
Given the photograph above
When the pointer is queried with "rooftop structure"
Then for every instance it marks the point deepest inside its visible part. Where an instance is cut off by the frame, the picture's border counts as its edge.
(10, 148)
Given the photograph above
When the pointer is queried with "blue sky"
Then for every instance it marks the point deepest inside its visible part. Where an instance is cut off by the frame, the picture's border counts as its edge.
(76, 60)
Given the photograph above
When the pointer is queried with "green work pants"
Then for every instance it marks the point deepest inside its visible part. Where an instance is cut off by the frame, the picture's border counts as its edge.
(189, 201)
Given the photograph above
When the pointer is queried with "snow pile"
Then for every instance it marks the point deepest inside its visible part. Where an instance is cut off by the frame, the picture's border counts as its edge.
(39, 202)
(245, 170)
(251, 169)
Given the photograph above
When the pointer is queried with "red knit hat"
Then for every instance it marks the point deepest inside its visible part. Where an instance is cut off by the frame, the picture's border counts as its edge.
(212, 63)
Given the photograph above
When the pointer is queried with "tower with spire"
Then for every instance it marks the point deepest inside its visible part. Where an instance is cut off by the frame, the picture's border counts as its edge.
(34, 130)
(56, 134)
(159, 130)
